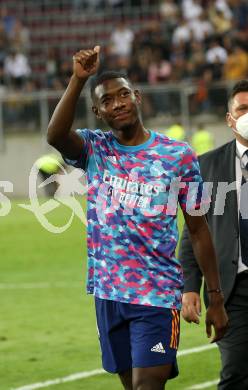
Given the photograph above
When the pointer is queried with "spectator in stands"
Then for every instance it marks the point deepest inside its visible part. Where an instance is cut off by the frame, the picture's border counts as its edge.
(108, 60)
(7, 19)
(192, 9)
(20, 37)
(151, 37)
(169, 11)
(236, 66)
(121, 40)
(200, 100)
(240, 14)
(178, 68)
(227, 42)
(138, 70)
(138, 73)
(159, 69)
(216, 57)
(216, 53)
(53, 64)
(196, 63)
(64, 72)
(223, 6)
(178, 62)
(2, 81)
(4, 43)
(221, 23)
(201, 27)
(16, 68)
(182, 33)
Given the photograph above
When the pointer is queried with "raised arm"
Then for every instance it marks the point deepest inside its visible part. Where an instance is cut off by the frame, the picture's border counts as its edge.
(205, 254)
(59, 133)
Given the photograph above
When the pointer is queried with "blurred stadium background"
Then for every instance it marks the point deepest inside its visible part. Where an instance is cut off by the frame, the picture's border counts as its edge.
(185, 55)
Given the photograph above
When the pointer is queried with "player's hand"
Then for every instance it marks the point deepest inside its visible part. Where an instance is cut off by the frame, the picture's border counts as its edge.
(216, 316)
(191, 307)
(86, 62)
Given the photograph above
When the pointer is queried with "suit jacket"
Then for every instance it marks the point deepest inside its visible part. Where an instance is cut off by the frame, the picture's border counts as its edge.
(216, 166)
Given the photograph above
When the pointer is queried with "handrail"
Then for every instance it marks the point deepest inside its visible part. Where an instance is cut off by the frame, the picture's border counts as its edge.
(165, 87)
(37, 106)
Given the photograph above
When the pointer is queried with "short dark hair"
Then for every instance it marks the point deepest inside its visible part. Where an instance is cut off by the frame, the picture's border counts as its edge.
(240, 86)
(103, 76)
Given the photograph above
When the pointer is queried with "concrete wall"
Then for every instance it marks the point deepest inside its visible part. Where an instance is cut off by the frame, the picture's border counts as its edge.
(17, 158)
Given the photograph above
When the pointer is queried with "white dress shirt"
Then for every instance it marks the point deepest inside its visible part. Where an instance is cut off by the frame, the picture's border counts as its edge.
(240, 150)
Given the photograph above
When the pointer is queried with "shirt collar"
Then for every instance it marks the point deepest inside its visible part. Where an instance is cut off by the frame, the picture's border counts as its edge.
(240, 149)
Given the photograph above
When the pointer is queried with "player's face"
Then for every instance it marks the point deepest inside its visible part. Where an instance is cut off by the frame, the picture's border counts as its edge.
(117, 103)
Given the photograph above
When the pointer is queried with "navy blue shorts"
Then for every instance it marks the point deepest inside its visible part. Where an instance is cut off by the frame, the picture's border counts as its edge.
(137, 336)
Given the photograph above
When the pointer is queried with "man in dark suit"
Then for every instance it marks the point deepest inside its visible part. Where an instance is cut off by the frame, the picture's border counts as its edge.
(228, 223)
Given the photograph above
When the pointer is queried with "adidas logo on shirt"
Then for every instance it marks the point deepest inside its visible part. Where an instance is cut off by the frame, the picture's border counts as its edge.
(112, 159)
(158, 348)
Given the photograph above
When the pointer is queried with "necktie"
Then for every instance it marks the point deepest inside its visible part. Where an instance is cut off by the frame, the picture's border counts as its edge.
(243, 217)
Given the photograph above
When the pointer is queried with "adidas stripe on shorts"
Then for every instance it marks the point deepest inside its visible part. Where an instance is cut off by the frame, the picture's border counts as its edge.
(137, 336)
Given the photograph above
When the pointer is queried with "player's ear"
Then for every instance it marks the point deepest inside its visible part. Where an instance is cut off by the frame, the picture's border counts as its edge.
(96, 112)
(229, 119)
(137, 96)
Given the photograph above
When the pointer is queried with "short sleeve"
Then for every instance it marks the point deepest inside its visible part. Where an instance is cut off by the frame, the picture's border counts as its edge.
(82, 161)
(191, 193)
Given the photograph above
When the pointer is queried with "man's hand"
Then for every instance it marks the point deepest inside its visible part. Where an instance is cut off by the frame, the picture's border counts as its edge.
(191, 309)
(216, 316)
(203, 248)
(86, 62)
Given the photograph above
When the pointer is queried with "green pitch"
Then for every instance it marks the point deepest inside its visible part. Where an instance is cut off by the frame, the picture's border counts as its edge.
(47, 322)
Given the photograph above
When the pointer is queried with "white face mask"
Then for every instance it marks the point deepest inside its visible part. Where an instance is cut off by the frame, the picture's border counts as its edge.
(242, 125)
